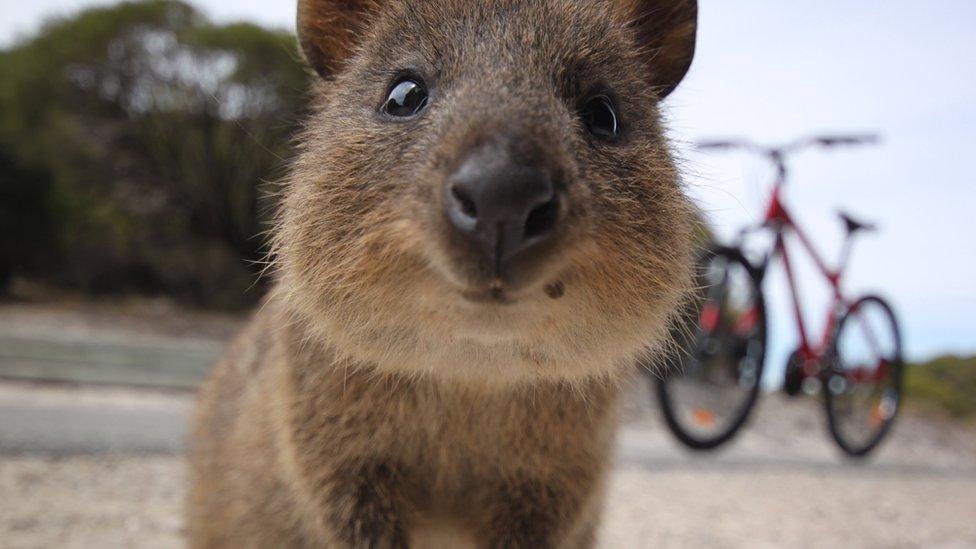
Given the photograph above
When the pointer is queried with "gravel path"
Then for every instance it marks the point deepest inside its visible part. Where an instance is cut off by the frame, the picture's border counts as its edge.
(780, 485)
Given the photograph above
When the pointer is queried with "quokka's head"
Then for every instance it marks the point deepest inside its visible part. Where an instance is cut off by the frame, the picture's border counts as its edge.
(484, 188)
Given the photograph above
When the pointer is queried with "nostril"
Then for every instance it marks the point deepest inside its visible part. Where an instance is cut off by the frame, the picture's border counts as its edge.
(542, 219)
(468, 207)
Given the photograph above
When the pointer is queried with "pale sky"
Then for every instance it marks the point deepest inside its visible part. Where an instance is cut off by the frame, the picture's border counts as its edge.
(776, 70)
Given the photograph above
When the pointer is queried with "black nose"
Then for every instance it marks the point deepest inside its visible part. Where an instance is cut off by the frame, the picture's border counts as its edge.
(500, 206)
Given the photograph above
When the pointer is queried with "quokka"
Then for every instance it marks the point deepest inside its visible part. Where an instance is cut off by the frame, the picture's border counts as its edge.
(483, 229)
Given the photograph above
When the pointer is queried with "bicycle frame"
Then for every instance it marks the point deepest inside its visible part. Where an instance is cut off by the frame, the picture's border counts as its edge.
(778, 218)
(782, 223)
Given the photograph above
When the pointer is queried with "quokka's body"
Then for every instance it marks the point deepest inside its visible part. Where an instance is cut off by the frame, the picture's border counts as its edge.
(484, 228)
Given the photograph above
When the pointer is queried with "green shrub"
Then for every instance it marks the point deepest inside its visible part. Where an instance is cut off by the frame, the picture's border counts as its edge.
(151, 132)
(29, 225)
(947, 383)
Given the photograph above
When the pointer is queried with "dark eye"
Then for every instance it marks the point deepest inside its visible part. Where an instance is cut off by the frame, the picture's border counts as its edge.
(600, 117)
(407, 98)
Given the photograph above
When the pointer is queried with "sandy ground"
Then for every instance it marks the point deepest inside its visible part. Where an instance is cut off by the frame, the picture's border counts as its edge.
(88, 502)
(781, 485)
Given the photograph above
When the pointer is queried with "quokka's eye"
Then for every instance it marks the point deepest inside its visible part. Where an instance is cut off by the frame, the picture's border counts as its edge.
(407, 98)
(600, 117)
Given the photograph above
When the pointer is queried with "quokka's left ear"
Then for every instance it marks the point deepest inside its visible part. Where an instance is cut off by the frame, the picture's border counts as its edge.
(328, 30)
(665, 31)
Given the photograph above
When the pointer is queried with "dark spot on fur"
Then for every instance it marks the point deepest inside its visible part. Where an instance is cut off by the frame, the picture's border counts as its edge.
(556, 290)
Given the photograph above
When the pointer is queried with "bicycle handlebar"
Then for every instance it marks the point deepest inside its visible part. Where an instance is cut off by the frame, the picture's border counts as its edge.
(719, 145)
(820, 140)
(777, 155)
(835, 140)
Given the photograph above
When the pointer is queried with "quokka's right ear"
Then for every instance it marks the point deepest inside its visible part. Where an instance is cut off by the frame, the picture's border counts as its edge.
(665, 31)
(328, 30)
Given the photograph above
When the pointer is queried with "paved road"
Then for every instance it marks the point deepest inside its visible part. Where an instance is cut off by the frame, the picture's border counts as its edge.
(57, 420)
(84, 467)
(52, 421)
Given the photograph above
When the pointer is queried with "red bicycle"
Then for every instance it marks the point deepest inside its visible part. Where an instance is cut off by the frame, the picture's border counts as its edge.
(856, 363)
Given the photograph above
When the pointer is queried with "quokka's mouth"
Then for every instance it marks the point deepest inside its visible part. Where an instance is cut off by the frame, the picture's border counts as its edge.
(495, 294)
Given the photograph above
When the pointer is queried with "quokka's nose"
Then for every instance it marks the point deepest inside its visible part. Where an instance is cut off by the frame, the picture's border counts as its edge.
(500, 206)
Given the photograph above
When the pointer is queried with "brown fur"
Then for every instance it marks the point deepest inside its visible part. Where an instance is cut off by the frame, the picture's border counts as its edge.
(369, 404)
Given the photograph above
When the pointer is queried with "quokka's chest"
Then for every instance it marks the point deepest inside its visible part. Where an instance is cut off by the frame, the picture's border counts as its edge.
(453, 437)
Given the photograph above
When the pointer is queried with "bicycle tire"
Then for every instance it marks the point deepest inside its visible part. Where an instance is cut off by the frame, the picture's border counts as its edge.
(666, 400)
(896, 369)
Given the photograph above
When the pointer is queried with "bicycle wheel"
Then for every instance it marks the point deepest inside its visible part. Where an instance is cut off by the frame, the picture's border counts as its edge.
(864, 376)
(712, 381)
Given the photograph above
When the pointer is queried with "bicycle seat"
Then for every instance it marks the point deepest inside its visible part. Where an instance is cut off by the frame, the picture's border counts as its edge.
(853, 225)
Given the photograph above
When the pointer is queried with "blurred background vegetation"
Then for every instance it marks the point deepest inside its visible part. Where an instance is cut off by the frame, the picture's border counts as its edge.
(946, 384)
(137, 143)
